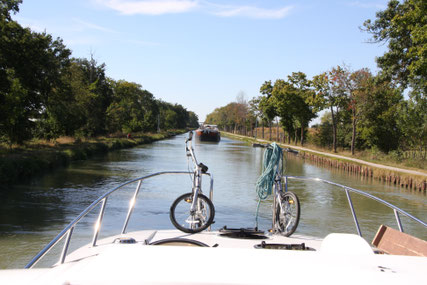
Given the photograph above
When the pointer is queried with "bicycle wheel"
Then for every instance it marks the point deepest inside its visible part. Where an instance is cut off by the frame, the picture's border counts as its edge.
(192, 222)
(287, 213)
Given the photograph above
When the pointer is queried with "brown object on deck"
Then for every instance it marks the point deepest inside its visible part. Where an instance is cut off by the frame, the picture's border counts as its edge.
(395, 242)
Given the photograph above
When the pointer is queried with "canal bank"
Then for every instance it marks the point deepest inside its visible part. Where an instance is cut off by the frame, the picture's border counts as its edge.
(21, 164)
(411, 179)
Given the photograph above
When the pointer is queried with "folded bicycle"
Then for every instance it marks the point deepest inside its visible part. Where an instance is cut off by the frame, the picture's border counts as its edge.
(193, 212)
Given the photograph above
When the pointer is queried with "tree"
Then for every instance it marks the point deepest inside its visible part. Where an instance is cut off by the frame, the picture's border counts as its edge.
(230, 117)
(359, 89)
(379, 125)
(7, 6)
(305, 111)
(412, 122)
(96, 98)
(14, 126)
(132, 110)
(330, 95)
(321, 134)
(31, 68)
(354, 88)
(266, 104)
(255, 111)
(404, 27)
(283, 96)
(193, 120)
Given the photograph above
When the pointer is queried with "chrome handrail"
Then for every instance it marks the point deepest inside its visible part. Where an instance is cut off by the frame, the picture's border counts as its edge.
(347, 190)
(68, 230)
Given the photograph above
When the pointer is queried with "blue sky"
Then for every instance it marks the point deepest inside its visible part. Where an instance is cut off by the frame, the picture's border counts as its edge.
(202, 54)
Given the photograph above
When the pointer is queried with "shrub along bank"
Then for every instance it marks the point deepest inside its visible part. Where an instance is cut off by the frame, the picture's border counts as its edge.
(20, 164)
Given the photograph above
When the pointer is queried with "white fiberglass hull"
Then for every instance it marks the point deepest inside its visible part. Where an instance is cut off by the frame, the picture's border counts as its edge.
(338, 259)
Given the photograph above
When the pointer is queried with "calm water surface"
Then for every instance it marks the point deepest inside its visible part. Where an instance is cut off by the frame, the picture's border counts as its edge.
(32, 214)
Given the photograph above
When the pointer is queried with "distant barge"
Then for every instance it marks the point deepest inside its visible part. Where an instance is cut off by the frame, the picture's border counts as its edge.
(208, 133)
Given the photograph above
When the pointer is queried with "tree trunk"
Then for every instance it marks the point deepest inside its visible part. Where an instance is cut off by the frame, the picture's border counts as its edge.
(270, 131)
(262, 129)
(353, 135)
(334, 131)
(296, 136)
(302, 136)
(256, 128)
(277, 131)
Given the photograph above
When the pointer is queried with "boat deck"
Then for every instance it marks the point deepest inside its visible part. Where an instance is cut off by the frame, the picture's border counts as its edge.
(236, 261)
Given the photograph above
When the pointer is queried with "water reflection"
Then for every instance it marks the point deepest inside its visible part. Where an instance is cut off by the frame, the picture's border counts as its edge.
(32, 214)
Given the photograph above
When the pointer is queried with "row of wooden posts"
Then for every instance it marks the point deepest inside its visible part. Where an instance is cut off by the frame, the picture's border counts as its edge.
(365, 171)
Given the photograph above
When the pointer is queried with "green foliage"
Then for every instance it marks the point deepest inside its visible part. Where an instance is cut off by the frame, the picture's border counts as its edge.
(404, 27)
(232, 117)
(379, 125)
(321, 133)
(266, 103)
(8, 6)
(46, 94)
(412, 123)
(193, 120)
(132, 110)
(175, 116)
(30, 69)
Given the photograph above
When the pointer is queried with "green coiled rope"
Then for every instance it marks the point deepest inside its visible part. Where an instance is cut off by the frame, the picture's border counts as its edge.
(270, 162)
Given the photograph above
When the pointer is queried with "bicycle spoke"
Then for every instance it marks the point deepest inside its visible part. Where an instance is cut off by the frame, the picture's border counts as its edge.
(287, 214)
(192, 221)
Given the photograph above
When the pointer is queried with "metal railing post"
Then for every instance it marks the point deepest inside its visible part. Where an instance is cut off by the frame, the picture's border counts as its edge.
(131, 206)
(99, 222)
(66, 245)
(353, 212)
(210, 192)
(399, 223)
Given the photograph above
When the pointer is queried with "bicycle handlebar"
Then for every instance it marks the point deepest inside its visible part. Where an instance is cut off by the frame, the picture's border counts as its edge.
(190, 137)
(189, 149)
(190, 152)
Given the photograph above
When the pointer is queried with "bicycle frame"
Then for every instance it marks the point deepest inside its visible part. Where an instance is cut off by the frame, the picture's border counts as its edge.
(277, 199)
(197, 172)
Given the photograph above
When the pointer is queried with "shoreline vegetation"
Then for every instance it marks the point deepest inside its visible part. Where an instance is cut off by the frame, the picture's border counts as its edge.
(37, 157)
(409, 178)
(375, 116)
(56, 108)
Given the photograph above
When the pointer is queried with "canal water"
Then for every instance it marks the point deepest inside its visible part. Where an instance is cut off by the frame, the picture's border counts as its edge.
(31, 214)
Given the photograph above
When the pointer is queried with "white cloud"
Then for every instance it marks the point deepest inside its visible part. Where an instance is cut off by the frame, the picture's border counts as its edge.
(150, 7)
(159, 7)
(254, 12)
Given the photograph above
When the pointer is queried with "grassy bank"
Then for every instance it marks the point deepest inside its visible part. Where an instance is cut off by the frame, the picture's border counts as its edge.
(20, 163)
(393, 173)
(403, 159)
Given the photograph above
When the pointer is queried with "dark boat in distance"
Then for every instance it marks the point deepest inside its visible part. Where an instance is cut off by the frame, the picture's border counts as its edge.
(208, 133)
